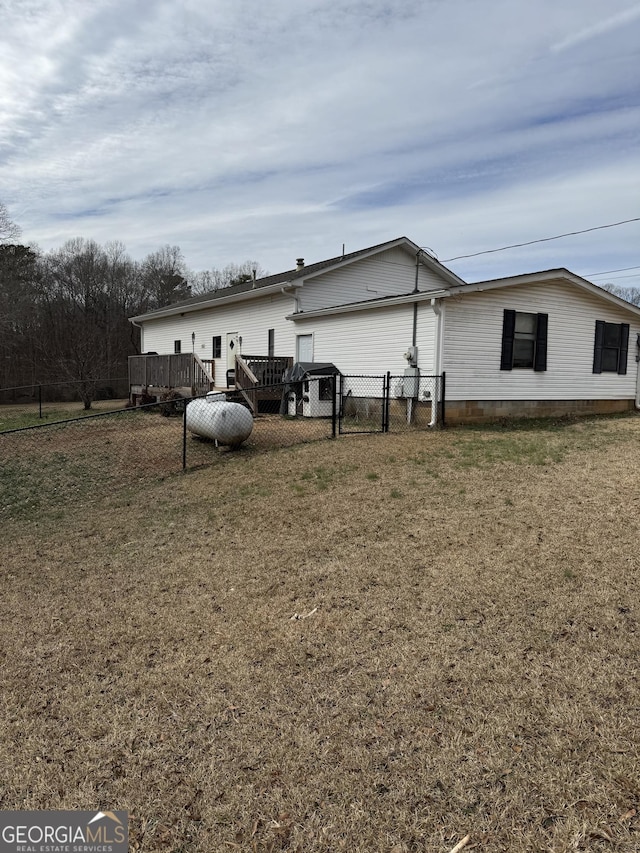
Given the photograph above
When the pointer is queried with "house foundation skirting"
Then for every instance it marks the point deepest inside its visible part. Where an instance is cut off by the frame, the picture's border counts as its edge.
(477, 411)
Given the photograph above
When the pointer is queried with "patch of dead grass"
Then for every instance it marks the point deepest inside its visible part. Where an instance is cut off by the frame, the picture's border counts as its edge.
(467, 662)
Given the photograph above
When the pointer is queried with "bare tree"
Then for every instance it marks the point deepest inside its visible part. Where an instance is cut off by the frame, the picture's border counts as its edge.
(163, 277)
(630, 294)
(215, 279)
(9, 231)
(83, 304)
(64, 314)
(18, 316)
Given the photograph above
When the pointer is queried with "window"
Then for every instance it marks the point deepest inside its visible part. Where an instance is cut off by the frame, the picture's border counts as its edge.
(272, 343)
(177, 346)
(217, 346)
(611, 347)
(524, 341)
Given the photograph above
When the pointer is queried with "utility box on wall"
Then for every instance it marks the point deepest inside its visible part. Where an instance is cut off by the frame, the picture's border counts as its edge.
(411, 382)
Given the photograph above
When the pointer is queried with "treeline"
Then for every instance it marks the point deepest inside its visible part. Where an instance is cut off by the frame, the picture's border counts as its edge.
(64, 314)
(630, 294)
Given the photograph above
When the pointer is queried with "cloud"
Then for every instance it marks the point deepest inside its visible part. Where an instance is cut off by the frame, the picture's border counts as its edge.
(613, 22)
(238, 129)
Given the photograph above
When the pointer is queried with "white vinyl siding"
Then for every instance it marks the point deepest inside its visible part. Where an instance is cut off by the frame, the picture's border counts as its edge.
(390, 273)
(473, 338)
(374, 341)
(251, 320)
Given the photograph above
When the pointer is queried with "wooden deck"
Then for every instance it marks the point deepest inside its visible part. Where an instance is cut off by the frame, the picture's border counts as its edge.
(258, 379)
(184, 372)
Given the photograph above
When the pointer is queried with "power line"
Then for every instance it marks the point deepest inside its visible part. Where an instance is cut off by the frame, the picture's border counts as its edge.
(619, 277)
(607, 272)
(542, 240)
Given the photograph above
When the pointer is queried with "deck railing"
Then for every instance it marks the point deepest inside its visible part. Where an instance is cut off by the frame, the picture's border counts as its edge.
(268, 369)
(254, 372)
(204, 373)
(180, 370)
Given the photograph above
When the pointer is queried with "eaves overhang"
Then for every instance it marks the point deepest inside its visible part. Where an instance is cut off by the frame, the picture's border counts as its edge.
(385, 302)
(179, 310)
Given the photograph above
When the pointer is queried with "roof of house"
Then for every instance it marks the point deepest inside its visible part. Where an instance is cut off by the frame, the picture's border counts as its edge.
(454, 284)
(543, 276)
(290, 276)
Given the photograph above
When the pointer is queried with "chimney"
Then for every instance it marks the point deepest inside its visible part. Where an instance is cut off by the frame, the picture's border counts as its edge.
(299, 263)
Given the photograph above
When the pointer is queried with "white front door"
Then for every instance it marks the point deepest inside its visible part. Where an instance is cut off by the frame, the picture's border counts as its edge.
(304, 348)
(232, 350)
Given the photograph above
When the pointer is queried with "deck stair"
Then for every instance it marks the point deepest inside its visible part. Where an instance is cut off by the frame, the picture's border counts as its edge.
(258, 381)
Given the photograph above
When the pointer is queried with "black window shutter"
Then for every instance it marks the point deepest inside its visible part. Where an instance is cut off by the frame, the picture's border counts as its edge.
(624, 348)
(508, 330)
(540, 363)
(597, 349)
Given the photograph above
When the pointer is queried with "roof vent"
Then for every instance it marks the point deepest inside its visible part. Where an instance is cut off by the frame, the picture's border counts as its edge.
(299, 263)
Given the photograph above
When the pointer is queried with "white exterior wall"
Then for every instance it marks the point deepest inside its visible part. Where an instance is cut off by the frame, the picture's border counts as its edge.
(473, 339)
(374, 341)
(389, 273)
(250, 319)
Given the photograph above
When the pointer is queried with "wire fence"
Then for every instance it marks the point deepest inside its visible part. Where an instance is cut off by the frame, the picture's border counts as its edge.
(45, 467)
(390, 403)
(56, 397)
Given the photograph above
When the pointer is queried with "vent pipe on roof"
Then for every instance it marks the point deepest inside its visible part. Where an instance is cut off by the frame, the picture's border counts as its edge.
(299, 263)
(253, 278)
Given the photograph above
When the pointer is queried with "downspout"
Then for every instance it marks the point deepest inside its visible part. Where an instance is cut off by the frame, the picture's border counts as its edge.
(638, 372)
(437, 359)
(296, 300)
(138, 326)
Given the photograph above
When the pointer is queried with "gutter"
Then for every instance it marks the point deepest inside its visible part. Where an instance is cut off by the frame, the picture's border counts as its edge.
(407, 299)
(177, 310)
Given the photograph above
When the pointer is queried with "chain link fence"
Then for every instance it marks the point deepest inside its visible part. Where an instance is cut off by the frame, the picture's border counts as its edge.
(415, 402)
(283, 418)
(57, 400)
(45, 467)
(390, 403)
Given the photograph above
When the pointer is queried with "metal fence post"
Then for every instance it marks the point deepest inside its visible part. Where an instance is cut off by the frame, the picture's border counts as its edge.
(387, 403)
(334, 390)
(442, 394)
(39, 401)
(184, 436)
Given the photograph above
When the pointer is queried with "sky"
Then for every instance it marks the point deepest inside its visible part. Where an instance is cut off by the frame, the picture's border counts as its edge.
(239, 129)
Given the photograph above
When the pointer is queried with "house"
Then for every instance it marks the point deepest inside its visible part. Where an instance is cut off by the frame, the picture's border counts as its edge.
(542, 343)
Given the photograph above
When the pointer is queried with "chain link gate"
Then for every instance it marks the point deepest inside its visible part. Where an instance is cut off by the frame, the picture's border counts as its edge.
(389, 403)
(363, 404)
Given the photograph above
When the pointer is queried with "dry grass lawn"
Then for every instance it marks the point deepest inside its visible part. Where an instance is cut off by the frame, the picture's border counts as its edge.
(382, 643)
